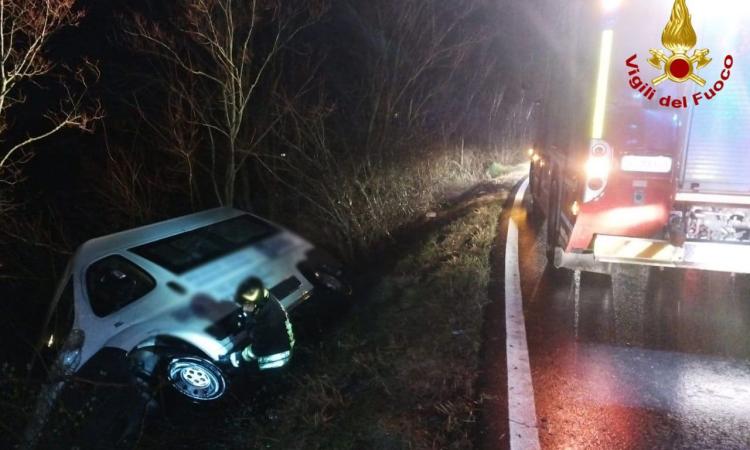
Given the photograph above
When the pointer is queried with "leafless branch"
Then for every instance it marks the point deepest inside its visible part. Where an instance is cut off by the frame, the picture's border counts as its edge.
(213, 64)
(25, 29)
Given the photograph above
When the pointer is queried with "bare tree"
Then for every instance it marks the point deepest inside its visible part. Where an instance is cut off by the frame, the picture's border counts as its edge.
(415, 51)
(26, 28)
(218, 53)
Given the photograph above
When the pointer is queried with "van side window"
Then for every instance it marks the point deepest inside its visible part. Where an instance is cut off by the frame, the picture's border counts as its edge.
(114, 282)
(186, 251)
(61, 321)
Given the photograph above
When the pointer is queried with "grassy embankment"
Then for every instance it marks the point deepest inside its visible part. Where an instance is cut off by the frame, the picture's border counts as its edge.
(400, 370)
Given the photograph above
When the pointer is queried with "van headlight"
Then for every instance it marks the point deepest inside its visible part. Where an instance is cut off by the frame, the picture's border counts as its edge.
(70, 354)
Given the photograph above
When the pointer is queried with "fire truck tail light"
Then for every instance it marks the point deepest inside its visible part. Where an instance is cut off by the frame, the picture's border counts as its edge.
(649, 164)
(596, 184)
(611, 5)
(599, 150)
(598, 167)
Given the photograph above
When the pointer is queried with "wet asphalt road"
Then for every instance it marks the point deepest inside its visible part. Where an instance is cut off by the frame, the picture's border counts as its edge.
(647, 359)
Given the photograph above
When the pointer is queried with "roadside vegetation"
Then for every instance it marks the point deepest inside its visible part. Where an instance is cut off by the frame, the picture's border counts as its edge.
(400, 369)
(348, 122)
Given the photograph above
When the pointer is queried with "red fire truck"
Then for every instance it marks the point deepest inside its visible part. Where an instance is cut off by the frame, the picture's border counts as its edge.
(644, 156)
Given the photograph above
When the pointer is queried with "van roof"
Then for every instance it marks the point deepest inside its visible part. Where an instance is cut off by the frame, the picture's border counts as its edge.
(121, 241)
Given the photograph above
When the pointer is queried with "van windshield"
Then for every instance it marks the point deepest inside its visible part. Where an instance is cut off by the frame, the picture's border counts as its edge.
(185, 251)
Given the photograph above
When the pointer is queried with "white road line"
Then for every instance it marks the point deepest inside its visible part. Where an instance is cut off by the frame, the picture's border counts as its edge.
(524, 434)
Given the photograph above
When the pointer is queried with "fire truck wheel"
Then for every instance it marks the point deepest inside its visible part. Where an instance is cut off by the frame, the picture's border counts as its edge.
(535, 210)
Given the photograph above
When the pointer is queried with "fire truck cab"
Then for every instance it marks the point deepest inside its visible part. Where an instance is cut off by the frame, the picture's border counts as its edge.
(644, 156)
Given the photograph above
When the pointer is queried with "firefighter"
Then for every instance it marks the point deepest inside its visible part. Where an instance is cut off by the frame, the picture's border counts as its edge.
(271, 331)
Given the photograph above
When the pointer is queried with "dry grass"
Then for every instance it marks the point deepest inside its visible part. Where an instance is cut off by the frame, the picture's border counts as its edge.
(358, 203)
(405, 366)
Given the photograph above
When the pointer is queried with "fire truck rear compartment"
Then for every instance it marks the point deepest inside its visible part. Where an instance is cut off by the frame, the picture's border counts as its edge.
(716, 158)
(714, 224)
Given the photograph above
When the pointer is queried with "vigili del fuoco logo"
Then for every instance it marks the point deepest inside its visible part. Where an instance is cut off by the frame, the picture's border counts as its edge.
(677, 64)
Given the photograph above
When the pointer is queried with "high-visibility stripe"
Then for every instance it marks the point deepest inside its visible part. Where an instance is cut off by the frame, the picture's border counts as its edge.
(695, 197)
(602, 84)
(718, 256)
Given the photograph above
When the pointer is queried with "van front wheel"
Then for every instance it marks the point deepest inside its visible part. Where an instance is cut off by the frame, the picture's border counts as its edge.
(196, 378)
